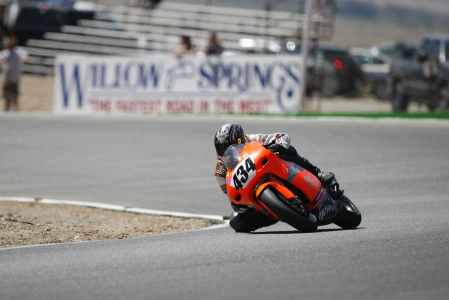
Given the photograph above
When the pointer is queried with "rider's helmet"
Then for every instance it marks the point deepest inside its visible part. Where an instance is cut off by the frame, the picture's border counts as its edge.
(227, 135)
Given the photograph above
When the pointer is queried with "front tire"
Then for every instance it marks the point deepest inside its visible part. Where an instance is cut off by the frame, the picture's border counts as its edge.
(303, 221)
(349, 216)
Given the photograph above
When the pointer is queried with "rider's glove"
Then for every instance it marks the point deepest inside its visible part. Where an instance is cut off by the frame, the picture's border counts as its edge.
(276, 148)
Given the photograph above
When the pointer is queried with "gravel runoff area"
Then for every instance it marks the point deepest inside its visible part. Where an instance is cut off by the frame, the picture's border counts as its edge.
(31, 223)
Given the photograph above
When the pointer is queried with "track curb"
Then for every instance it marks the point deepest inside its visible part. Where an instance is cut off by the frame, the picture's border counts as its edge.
(115, 207)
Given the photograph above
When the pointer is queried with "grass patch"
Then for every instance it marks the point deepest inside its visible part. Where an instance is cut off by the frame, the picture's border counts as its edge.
(403, 115)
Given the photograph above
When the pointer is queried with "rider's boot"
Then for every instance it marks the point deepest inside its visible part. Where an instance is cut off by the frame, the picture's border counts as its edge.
(326, 178)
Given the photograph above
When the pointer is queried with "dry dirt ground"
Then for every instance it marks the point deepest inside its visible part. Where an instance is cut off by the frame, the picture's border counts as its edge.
(36, 93)
(28, 223)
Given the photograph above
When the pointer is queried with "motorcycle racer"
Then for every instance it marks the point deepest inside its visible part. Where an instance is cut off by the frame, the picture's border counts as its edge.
(246, 219)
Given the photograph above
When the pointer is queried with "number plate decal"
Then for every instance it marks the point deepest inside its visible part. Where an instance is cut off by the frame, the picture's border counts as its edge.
(243, 173)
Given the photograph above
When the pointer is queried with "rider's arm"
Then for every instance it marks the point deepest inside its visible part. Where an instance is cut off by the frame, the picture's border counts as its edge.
(280, 138)
(220, 176)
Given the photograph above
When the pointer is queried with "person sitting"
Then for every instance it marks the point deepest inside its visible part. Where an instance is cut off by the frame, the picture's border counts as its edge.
(213, 47)
(185, 47)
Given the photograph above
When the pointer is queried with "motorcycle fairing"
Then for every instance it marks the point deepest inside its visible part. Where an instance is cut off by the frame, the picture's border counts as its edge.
(251, 164)
(327, 208)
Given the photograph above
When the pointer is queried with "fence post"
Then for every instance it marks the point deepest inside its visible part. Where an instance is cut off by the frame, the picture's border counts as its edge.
(305, 53)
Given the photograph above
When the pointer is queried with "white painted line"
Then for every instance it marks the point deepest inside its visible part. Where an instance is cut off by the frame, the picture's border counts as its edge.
(116, 208)
(225, 224)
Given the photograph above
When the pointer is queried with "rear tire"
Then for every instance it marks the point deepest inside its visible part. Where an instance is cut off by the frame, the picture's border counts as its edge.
(349, 216)
(329, 87)
(443, 98)
(380, 90)
(305, 222)
(400, 100)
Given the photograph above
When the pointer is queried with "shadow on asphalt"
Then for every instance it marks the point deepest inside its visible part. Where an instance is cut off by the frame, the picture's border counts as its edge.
(299, 232)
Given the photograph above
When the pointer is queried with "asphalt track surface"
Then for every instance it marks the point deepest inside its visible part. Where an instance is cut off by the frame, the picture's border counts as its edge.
(395, 171)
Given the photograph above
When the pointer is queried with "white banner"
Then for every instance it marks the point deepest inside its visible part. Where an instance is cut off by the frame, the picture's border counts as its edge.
(164, 84)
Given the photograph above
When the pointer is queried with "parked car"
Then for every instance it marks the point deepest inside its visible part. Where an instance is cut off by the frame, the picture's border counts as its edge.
(348, 74)
(333, 70)
(424, 78)
(376, 68)
(395, 50)
(321, 74)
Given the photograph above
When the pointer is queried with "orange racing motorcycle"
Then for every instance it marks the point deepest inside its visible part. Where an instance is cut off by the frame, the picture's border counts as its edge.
(284, 191)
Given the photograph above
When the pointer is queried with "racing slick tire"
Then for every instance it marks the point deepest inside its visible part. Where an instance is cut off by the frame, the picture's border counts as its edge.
(349, 216)
(303, 221)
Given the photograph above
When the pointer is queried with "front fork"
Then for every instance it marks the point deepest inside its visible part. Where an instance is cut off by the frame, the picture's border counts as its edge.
(331, 205)
(334, 189)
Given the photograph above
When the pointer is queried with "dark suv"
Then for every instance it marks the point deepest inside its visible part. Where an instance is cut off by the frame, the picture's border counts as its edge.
(332, 70)
(424, 78)
(346, 77)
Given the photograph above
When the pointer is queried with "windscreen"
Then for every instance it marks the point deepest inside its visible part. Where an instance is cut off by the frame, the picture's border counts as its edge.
(231, 157)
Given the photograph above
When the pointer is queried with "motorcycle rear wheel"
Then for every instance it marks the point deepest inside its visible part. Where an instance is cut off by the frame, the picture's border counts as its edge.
(349, 216)
(304, 222)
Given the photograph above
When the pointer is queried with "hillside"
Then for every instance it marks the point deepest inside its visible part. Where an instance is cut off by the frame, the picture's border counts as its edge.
(357, 33)
(366, 22)
(434, 6)
(425, 17)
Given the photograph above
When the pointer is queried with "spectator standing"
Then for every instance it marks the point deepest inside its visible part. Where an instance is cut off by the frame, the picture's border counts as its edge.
(214, 46)
(151, 4)
(186, 47)
(12, 58)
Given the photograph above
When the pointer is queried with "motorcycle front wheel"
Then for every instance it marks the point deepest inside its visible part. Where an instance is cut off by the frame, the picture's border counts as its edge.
(349, 216)
(303, 220)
